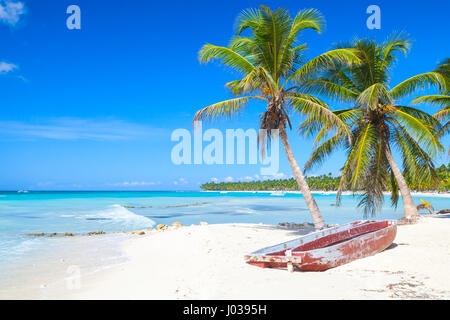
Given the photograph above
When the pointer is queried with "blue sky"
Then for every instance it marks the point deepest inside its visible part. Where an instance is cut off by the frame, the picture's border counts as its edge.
(93, 109)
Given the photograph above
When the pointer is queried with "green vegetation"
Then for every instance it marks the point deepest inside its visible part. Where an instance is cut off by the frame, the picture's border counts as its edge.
(319, 183)
(440, 100)
(323, 182)
(444, 177)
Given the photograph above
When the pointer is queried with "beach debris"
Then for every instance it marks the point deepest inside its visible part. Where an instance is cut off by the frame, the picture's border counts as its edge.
(94, 233)
(443, 211)
(177, 224)
(51, 235)
(426, 205)
(409, 220)
(139, 233)
(292, 225)
(203, 223)
(36, 234)
(161, 227)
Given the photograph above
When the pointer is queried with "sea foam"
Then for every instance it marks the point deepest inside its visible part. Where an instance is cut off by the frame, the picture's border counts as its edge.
(120, 215)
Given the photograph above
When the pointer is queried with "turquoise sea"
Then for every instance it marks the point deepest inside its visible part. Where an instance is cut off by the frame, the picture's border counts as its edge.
(82, 212)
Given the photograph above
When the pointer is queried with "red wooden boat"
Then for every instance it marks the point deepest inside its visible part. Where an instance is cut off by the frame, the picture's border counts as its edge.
(328, 248)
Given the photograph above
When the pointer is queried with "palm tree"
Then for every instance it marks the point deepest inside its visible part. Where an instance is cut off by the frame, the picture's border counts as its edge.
(441, 100)
(270, 61)
(378, 125)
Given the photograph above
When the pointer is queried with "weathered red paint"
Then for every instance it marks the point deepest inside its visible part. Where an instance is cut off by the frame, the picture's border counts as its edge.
(328, 248)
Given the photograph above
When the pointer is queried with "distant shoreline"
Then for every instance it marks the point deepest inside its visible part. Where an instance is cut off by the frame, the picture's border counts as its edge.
(413, 193)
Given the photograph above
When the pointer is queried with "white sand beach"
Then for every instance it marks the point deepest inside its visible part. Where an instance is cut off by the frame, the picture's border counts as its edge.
(206, 262)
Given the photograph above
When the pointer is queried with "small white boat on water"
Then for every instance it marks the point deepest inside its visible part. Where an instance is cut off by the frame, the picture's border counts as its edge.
(22, 191)
(278, 193)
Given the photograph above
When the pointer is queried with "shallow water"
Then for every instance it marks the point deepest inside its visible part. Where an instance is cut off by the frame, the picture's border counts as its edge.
(82, 212)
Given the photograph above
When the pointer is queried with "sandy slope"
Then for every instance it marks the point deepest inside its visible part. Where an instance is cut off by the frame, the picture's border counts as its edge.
(206, 262)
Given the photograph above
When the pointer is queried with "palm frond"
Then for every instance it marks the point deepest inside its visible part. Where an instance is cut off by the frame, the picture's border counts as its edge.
(321, 62)
(417, 163)
(307, 19)
(320, 153)
(439, 100)
(361, 157)
(423, 81)
(225, 108)
(250, 18)
(443, 131)
(375, 95)
(422, 131)
(318, 111)
(227, 56)
(395, 43)
(329, 89)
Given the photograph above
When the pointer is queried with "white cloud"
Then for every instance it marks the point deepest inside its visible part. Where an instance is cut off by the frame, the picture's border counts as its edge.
(228, 179)
(77, 129)
(10, 11)
(213, 179)
(180, 181)
(6, 67)
(278, 176)
(134, 184)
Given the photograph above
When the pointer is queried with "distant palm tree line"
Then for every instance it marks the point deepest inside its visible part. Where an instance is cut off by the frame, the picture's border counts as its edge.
(316, 183)
(273, 68)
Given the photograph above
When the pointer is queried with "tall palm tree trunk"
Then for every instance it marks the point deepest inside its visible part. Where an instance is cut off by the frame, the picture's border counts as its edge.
(307, 195)
(408, 203)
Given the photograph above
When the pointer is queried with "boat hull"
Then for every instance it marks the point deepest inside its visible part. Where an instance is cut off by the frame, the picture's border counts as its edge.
(330, 248)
